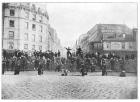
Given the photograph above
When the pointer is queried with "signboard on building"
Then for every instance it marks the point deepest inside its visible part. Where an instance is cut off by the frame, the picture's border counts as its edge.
(116, 46)
(113, 36)
(126, 45)
(106, 46)
(108, 36)
(123, 46)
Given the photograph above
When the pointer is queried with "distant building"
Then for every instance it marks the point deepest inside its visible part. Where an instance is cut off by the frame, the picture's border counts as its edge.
(116, 38)
(83, 42)
(53, 40)
(25, 27)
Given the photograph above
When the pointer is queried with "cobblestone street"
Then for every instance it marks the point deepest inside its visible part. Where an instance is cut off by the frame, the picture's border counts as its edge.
(51, 85)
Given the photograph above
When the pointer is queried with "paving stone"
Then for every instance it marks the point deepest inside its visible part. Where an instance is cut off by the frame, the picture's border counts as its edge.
(53, 86)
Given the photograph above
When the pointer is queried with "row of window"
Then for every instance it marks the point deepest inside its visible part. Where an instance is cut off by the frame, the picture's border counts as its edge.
(108, 46)
(34, 27)
(12, 13)
(12, 24)
(26, 37)
(11, 46)
(33, 47)
(107, 36)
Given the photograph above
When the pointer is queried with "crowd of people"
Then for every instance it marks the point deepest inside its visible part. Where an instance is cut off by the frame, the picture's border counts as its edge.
(83, 62)
(22, 61)
(89, 62)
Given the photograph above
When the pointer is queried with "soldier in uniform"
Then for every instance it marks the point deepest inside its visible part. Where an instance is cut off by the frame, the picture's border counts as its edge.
(78, 60)
(68, 52)
(122, 74)
(79, 52)
(83, 70)
(58, 53)
(17, 66)
(19, 53)
(4, 53)
(3, 65)
(58, 64)
(112, 63)
(55, 54)
(93, 64)
(36, 63)
(41, 66)
(104, 72)
(13, 63)
(7, 63)
(87, 63)
(23, 63)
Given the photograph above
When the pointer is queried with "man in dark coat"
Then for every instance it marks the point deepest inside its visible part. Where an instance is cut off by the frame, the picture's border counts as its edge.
(3, 65)
(16, 53)
(4, 53)
(123, 73)
(87, 63)
(68, 52)
(7, 64)
(58, 53)
(93, 64)
(19, 53)
(79, 51)
(35, 53)
(36, 63)
(17, 66)
(55, 54)
(13, 63)
(41, 66)
(104, 72)
(83, 70)
(112, 63)
(23, 63)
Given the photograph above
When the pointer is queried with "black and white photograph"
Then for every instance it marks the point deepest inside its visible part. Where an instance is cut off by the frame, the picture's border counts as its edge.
(69, 50)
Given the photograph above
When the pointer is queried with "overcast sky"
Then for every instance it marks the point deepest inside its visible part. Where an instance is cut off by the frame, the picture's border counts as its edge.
(73, 19)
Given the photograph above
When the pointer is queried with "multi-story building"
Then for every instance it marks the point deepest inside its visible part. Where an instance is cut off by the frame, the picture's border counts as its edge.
(26, 27)
(53, 40)
(83, 42)
(117, 38)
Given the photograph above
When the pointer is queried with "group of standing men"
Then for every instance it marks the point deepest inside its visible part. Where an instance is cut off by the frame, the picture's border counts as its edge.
(89, 62)
(84, 62)
(18, 60)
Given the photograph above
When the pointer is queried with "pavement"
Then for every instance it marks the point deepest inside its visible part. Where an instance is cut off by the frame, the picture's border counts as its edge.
(51, 85)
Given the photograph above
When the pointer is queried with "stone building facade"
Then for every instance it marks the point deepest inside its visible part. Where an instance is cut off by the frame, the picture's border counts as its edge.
(54, 43)
(25, 27)
(116, 38)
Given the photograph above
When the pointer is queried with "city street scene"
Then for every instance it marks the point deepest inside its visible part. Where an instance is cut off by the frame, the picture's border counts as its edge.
(66, 51)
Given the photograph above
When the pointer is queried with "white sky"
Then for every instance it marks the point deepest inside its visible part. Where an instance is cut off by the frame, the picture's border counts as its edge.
(73, 19)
